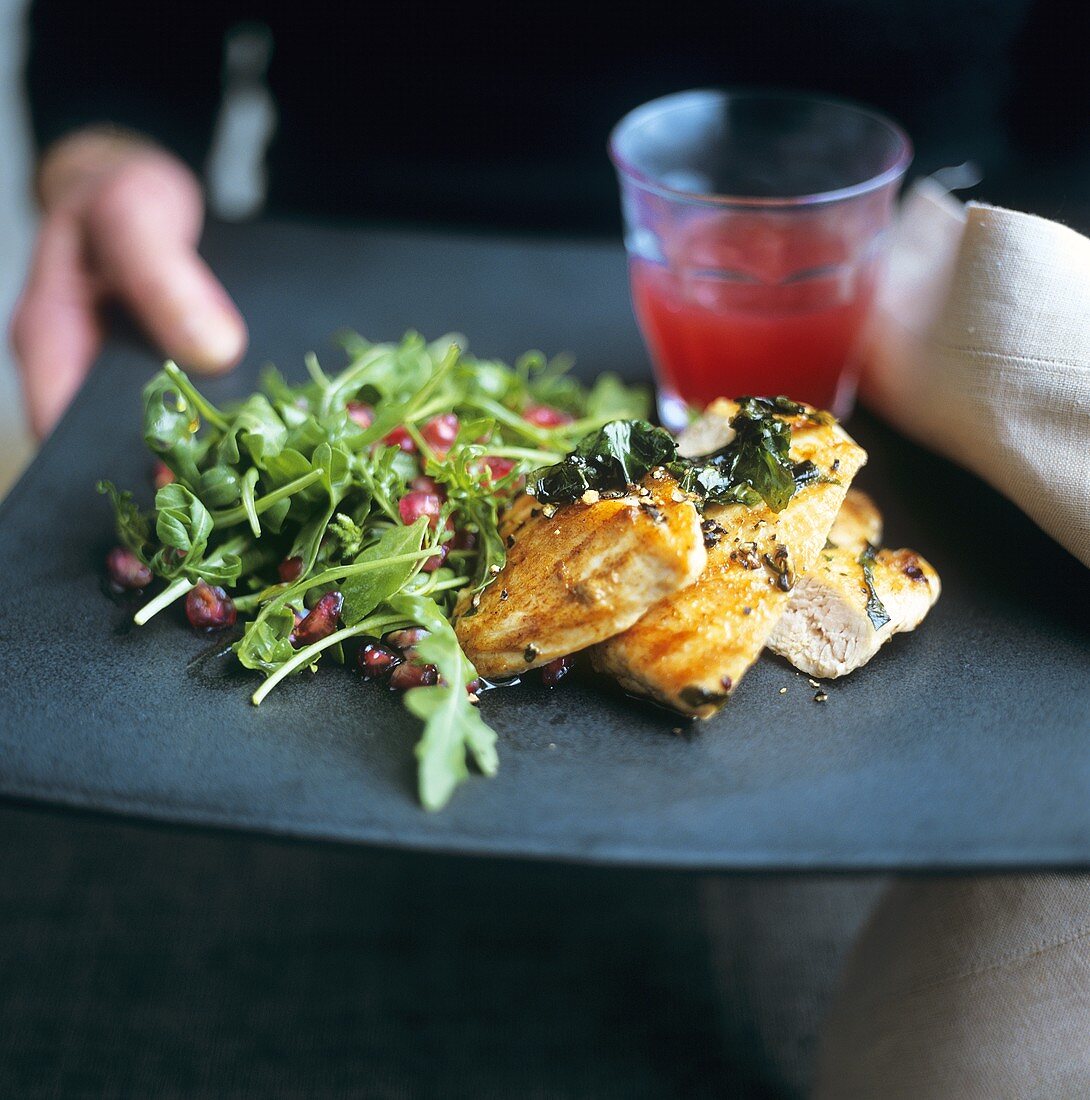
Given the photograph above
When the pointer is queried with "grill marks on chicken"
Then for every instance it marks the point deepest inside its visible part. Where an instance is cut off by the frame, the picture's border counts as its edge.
(578, 573)
(692, 648)
(857, 524)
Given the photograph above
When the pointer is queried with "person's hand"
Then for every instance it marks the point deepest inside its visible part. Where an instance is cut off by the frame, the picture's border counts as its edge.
(120, 222)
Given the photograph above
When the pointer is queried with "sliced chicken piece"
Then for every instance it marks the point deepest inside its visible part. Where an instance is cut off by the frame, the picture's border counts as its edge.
(709, 432)
(692, 648)
(579, 573)
(857, 524)
(826, 630)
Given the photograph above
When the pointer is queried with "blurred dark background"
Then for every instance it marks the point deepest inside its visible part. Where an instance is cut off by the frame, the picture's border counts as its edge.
(496, 114)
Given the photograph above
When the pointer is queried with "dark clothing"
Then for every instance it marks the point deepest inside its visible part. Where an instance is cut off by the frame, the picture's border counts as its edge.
(498, 114)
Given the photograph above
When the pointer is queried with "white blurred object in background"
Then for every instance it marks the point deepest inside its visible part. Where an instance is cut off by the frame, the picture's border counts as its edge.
(235, 171)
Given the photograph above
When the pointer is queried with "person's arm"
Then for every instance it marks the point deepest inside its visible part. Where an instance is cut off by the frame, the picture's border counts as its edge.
(121, 214)
(128, 63)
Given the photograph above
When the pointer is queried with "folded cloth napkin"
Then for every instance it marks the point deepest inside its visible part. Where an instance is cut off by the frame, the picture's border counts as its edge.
(979, 348)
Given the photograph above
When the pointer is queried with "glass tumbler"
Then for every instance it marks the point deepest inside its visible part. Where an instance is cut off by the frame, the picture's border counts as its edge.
(755, 224)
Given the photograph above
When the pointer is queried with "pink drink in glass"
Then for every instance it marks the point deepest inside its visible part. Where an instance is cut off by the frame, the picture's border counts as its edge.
(764, 294)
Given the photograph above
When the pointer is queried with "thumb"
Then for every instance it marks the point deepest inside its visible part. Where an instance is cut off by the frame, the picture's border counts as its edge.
(142, 229)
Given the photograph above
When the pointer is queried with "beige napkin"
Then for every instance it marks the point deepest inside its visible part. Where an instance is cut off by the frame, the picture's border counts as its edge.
(980, 350)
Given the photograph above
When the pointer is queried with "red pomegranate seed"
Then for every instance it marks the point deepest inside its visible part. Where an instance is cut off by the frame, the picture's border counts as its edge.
(290, 569)
(161, 474)
(431, 564)
(400, 437)
(498, 468)
(375, 660)
(362, 415)
(417, 503)
(209, 608)
(440, 433)
(411, 675)
(555, 671)
(126, 570)
(405, 639)
(424, 484)
(545, 416)
(320, 622)
(474, 686)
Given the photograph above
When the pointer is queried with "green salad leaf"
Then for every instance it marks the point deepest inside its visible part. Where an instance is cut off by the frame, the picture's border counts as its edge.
(266, 644)
(181, 520)
(366, 591)
(453, 728)
(132, 525)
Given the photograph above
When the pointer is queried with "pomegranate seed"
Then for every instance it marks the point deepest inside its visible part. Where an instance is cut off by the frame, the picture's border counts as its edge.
(417, 503)
(410, 675)
(363, 416)
(320, 622)
(498, 468)
(400, 437)
(431, 564)
(424, 484)
(555, 671)
(545, 416)
(161, 474)
(290, 569)
(126, 570)
(376, 660)
(405, 639)
(474, 686)
(440, 433)
(209, 608)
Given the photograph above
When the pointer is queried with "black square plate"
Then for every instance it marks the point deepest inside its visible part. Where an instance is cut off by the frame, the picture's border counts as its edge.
(966, 744)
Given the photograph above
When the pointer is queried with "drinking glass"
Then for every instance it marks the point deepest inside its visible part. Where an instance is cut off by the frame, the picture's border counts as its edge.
(755, 223)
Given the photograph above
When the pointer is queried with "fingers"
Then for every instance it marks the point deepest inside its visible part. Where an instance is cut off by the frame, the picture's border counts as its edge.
(135, 238)
(143, 227)
(55, 330)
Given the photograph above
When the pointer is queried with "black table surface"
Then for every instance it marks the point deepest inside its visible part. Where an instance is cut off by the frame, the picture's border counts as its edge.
(964, 745)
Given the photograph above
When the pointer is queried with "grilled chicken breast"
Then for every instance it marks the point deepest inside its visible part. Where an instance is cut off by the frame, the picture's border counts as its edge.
(857, 523)
(692, 648)
(826, 630)
(579, 573)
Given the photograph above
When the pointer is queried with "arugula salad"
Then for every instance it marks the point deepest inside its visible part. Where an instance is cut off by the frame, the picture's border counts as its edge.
(339, 519)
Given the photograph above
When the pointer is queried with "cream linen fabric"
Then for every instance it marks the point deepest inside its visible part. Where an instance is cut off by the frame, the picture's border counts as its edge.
(966, 989)
(979, 989)
(980, 349)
